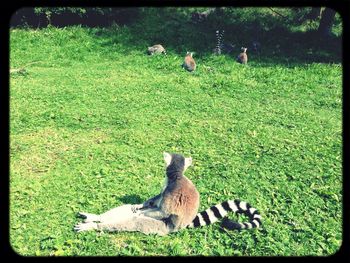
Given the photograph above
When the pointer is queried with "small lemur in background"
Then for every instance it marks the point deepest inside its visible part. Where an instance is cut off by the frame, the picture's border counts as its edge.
(173, 209)
(221, 46)
(189, 63)
(256, 46)
(243, 57)
(219, 36)
(156, 49)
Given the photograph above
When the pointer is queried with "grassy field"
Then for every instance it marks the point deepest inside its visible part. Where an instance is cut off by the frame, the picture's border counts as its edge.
(90, 120)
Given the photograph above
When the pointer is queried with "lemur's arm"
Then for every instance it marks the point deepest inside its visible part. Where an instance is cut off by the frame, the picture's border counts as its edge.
(152, 202)
(151, 208)
(155, 213)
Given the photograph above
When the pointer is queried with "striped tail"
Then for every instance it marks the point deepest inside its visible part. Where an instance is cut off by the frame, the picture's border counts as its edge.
(221, 38)
(219, 41)
(219, 211)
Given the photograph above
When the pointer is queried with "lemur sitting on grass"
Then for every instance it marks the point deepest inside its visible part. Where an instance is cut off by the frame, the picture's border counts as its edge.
(189, 64)
(243, 57)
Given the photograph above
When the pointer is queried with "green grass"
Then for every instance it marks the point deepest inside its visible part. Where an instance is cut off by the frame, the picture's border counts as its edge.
(89, 123)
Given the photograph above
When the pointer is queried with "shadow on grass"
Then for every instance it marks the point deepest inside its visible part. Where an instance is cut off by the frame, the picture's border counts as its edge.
(130, 199)
(278, 46)
(138, 28)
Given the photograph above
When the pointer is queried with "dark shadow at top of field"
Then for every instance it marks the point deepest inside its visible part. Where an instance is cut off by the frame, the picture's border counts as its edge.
(137, 28)
(277, 47)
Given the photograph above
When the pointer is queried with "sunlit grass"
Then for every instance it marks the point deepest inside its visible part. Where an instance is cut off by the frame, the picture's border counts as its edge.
(89, 123)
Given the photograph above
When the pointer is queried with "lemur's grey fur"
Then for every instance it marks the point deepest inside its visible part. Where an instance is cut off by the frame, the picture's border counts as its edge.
(189, 64)
(122, 218)
(156, 49)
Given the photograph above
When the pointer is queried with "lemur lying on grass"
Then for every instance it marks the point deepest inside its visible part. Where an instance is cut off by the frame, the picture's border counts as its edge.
(173, 209)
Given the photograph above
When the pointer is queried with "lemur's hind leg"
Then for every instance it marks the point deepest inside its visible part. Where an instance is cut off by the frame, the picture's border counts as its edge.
(118, 214)
(121, 213)
(141, 224)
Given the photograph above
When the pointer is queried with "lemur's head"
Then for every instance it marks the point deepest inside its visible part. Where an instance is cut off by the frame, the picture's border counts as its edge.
(176, 163)
(150, 50)
(189, 54)
(244, 49)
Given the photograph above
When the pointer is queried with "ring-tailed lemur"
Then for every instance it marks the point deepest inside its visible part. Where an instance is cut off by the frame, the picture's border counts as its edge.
(177, 204)
(222, 47)
(219, 39)
(189, 63)
(256, 47)
(156, 49)
(137, 217)
(243, 57)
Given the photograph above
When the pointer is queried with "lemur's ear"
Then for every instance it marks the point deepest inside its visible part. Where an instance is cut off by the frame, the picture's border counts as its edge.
(188, 162)
(167, 158)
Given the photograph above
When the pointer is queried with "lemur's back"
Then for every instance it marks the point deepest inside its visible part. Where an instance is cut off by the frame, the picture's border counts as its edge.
(181, 198)
(156, 49)
(242, 57)
(189, 63)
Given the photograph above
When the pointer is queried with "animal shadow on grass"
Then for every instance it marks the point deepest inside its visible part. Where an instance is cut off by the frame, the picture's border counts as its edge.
(130, 199)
